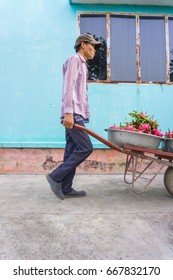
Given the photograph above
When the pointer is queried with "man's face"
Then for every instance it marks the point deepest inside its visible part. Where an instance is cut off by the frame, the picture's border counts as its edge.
(88, 50)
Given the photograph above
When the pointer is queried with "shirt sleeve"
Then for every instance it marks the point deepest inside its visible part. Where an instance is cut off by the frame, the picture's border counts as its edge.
(70, 70)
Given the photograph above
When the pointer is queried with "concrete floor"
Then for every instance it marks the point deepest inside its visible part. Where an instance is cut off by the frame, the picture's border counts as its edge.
(111, 222)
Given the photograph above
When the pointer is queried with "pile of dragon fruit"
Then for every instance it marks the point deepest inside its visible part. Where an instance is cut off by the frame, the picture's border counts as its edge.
(169, 134)
(143, 123)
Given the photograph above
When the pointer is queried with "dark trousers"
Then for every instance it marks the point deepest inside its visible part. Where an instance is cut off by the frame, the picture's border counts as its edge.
(78, 148)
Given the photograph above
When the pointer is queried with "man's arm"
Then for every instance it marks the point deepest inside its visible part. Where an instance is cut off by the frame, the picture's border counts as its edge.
(69, 82)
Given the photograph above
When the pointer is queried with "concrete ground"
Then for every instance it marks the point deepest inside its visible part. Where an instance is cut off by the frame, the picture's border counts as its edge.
(111, 222)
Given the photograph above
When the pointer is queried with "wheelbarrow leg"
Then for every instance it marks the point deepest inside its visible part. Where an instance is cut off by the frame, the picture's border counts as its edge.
(131, 167)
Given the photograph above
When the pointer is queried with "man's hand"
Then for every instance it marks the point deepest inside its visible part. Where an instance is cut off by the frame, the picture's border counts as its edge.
(68, 121)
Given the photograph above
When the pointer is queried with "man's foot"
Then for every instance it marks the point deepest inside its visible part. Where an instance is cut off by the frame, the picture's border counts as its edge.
(74, 193)
(55, 187)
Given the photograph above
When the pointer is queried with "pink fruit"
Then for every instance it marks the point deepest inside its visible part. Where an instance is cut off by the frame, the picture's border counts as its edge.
(114, 127)
(129, 127)
(157, 132)
(144, 128)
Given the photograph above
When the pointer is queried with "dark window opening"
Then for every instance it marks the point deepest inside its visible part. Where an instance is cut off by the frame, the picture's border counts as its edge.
(96, 26)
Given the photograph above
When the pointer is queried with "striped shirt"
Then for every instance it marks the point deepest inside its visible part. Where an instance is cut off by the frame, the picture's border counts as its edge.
(74, 95)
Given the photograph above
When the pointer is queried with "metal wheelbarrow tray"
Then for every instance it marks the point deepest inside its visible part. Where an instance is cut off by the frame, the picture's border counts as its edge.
(136, 153)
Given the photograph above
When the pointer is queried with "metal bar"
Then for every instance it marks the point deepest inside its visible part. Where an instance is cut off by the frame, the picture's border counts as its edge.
(138, 65)
(132, 161)
(142, 172)
(161, 161)
(157, 153)
(108, 47)
(128, 162)
(167, 49)
(149, 182)
(133, 169)
(78, 23)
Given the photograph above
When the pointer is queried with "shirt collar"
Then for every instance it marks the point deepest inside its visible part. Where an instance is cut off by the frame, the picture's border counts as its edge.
(81, 57)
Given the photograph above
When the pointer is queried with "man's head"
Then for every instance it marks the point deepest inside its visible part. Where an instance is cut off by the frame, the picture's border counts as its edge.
(87, 45)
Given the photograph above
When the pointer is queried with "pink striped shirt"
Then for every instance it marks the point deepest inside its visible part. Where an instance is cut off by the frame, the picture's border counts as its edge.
(74, 95)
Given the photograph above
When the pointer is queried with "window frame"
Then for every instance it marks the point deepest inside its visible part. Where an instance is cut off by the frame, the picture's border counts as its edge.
(138, 66)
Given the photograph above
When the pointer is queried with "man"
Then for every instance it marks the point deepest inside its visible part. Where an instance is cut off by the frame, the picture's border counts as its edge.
(74, 109)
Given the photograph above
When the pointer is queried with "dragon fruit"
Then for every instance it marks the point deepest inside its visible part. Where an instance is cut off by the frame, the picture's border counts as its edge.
(142, 123)
(145, 127)
(129, 127)
(114, 127)
(157, 132)
(169, 134)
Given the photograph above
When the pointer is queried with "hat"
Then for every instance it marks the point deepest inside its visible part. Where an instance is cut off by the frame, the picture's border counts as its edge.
(89, 39)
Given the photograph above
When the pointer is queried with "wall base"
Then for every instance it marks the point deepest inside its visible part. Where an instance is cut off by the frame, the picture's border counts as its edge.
(41, 161)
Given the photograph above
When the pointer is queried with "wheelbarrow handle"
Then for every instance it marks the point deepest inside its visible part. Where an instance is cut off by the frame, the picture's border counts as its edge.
(98, 137)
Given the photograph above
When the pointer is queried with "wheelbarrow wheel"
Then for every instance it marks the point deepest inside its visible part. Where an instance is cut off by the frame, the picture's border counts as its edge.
(168, 180)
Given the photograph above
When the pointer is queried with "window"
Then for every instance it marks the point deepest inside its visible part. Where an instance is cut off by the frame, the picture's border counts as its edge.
(136, 48)
(97, 25)
(153, 52)
(123, 54)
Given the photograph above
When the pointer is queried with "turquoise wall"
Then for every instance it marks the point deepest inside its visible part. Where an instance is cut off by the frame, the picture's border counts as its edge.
(36, 37)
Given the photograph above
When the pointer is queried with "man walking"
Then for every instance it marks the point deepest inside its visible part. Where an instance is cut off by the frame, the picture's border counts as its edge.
(74, 109)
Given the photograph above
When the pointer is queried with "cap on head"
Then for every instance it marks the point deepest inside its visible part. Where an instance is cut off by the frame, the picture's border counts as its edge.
(89, 39)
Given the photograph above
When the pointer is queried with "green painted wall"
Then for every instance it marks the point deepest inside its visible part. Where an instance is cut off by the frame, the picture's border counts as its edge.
(36, 37)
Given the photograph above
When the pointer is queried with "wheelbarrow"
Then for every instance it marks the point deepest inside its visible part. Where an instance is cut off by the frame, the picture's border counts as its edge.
(134, 154)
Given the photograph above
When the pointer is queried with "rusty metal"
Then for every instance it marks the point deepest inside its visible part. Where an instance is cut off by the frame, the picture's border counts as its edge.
(138, 65)
(133, 154)
(167, 50)
(78, 22)
(131, 166)
(108, 47)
